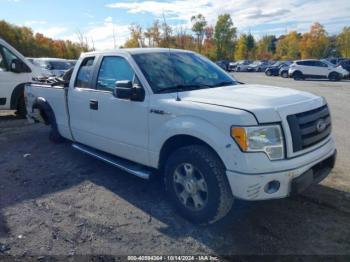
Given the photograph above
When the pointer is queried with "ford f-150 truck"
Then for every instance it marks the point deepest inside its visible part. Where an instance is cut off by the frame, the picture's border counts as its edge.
(175, 114)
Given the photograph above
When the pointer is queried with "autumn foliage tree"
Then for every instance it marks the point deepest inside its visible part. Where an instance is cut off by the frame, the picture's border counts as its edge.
(38, 45)
(288, 47)
(343, 42)
(266, 47)
(314, 44)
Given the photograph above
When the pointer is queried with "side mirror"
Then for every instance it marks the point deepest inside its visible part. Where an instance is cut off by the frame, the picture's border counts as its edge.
(17, 66)
(129, 91)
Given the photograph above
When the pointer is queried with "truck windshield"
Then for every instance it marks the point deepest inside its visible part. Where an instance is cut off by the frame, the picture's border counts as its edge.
(180, 71)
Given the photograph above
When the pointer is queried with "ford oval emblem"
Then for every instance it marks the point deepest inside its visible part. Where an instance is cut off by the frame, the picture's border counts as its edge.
(321, 126)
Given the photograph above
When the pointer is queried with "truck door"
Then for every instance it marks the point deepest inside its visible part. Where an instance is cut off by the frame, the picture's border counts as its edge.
(8, 79)
(79, 102)
(120, 126)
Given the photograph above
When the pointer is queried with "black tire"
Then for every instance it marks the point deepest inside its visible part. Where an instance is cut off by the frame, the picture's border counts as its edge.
(334, 76)
(238, 69)
(54, 135)
(21, 108)
(218, 198)
(284, 74)
(268, 73)
(298, 76)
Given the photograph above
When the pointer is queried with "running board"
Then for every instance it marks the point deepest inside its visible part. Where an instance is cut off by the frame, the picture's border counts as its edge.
(126, 165)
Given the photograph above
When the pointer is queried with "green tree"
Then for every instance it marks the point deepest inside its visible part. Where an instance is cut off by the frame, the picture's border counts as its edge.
(241, 51)
(250, 46)
(288, 46)
(343, 42)
(198, 25)
(224, 36)
(265, 48)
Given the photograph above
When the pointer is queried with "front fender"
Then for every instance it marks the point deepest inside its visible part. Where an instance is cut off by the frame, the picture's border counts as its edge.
(219, 141)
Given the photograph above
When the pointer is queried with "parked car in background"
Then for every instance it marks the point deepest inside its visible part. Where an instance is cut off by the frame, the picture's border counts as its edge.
(334, 61)
(72, 62)
(232, 66)
(345, 63)
(242, 66)
(284, 71)
(211, 139)
(15, 71)
(56, 66)
(224, 64)
(258, 66)
(274, 69)
(47, 72)
(318, 69)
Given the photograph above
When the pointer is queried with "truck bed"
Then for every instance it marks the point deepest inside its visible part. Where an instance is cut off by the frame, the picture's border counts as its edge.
(55, 97)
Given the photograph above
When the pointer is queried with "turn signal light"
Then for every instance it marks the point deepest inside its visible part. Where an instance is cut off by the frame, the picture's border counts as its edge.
(240, 135)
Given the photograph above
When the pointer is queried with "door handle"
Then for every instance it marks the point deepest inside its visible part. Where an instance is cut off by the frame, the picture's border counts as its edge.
(94, 104)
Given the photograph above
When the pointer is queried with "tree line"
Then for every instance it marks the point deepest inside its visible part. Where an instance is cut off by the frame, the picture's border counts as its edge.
(222, 41)
(38, 45)
(217, 42)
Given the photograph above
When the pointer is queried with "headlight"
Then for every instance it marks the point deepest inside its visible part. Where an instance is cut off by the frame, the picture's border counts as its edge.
(266, 139)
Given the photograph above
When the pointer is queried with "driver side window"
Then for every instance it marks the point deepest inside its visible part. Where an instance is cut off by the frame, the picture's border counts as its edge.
(113, 69)
(2, 63)
(9, 57)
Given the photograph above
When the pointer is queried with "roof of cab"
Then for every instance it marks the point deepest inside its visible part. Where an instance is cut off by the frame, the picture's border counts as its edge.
(133, 51)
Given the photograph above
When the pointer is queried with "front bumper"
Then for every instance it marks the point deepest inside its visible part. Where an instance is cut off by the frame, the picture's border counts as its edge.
(291, 182)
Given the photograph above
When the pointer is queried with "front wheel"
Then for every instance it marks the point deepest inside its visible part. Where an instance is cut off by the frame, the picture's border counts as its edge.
(298, 76)
(284, 74)
(196, 181)
(268, 73)
(21, 107)
(334, 76)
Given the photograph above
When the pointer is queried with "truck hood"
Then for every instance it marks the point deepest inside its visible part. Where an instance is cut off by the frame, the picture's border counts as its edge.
(265, 102)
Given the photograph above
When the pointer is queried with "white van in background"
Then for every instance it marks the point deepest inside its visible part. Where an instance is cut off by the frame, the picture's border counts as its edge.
(15, 71)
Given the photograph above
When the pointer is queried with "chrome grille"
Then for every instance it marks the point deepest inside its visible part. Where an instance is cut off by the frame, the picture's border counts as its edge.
(309, 128)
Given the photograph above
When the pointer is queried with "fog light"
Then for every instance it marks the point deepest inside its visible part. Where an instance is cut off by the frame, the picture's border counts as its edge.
(272, 187)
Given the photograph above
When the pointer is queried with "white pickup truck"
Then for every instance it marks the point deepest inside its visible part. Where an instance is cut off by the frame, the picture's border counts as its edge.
(175, 114)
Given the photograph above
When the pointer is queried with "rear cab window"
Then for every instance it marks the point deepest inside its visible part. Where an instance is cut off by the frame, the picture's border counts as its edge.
(85, 72)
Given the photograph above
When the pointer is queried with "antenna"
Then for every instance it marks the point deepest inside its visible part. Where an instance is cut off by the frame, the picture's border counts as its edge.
(114, 40)
(169, 52)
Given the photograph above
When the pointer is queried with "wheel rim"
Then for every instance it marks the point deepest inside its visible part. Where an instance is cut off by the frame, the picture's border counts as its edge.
(190, 187)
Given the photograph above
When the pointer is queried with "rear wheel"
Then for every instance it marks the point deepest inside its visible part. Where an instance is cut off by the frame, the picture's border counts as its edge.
(197, 185)
(268, 73)
(54, 135)
(298, 75)
(284, 74)
(334, 76)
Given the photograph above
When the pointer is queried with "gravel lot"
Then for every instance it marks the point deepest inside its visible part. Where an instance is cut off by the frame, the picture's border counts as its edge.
(57, 201)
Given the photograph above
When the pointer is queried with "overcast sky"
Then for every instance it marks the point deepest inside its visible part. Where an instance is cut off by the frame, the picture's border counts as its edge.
(98, 18)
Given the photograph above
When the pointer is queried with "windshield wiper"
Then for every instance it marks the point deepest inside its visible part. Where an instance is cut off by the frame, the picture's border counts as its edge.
(224, 83)
(180, 88)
